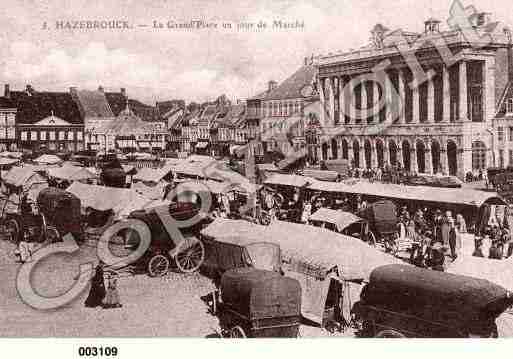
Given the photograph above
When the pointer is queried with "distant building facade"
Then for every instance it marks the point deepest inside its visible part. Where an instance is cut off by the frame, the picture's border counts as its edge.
(47, 120)
(7, 122)
(446, 124)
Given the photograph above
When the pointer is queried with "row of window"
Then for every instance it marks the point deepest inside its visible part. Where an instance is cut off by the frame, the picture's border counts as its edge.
(7, 119)
(501, 134)
(280, 108)
(7, 133)
(52, 135)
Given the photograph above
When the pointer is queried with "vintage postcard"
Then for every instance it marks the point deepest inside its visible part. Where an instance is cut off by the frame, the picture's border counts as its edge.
(256, 169)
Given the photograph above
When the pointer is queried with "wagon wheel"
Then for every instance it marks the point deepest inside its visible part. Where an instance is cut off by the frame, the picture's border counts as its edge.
(158, 266)
(237, 332)
(389, 333)
(12, 230)
(190, 255)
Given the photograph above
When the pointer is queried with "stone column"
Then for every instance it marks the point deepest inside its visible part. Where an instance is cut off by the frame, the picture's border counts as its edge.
(446, 95)
(429, 160)
(375, 98)
(463, 91)
(413, 159)
(416, 103)
(388, 99)
(386, 153)
(489, 89)
(431, 101)
(332, 104)
(363, 111)
(341, 102)
(323, 102)
(399, 153)
(361, 155)
(402, 97)
(444, 162)
(352, 107)
(374, 155)
(350, 153)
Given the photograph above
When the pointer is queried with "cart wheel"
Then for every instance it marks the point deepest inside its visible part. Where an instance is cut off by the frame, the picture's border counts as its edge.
(12, 230)
(190, 255)
(158, 266)
(389, 333)
(237, 332)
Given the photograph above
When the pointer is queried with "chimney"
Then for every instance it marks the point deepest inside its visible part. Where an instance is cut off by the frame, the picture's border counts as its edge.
(271, 85)
(123, 91)
(73, 90)
(100, 88)
(29, 89)
(7, 91)
(306, 61)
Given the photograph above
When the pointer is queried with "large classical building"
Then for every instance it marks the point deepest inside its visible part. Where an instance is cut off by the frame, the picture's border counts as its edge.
(454, 122)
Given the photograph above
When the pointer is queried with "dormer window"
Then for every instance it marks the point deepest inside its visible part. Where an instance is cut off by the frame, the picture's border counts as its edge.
(509, 106)
(432, 26)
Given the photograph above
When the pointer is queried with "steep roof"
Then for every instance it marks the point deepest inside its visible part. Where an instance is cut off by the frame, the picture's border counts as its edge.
(7, 103)
(34, 106)
(260, 96)
(117, 102)
(291, 87)
(93, 104)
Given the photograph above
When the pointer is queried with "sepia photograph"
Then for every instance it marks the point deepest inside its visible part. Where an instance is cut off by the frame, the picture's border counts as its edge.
(256, 169)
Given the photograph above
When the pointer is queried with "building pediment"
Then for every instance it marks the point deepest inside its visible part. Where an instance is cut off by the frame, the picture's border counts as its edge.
(52, 121)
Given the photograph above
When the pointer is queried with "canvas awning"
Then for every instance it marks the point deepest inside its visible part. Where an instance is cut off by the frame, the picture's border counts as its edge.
(201, 145)
(459, 196)
(48, 160)
(147, 174)
(289, 180)
(338, 218)
(121, 201)
(4, 161)
(72, 173)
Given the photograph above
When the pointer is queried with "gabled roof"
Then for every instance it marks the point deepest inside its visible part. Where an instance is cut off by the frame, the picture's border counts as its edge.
(6, 103)
(93, 104)
(260, 96)
(36, 106)
(291, 87)
(117, 102)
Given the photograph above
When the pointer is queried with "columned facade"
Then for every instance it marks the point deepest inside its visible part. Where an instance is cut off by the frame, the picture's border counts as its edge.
(437, 123)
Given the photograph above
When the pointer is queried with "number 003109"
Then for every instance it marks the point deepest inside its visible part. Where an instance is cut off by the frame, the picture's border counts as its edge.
(97, 351)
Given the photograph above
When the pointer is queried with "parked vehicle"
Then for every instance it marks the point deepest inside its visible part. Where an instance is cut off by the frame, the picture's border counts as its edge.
(62, 211)
(383, 224)
(405, 301)
(187, 253)
(259, 304)
(340, 222)
(240, 250)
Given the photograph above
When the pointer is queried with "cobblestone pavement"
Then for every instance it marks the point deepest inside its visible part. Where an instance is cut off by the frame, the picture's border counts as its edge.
(170, 306)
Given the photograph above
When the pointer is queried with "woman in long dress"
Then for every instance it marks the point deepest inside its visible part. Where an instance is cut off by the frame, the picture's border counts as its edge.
(97, 291)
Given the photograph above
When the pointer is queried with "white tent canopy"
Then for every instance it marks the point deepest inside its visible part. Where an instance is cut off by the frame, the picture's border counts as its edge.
(48, 160)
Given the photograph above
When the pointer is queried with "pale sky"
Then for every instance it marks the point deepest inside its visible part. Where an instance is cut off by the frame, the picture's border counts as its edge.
(193, 65)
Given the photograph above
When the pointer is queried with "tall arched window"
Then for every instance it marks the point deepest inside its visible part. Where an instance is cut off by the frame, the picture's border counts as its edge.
(509, 106)
(478, 155)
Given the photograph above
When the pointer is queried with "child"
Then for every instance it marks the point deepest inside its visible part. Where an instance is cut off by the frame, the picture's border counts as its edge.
(112, 295)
